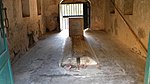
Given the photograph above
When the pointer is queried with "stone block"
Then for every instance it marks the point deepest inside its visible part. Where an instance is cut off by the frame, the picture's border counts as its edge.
(76, 26)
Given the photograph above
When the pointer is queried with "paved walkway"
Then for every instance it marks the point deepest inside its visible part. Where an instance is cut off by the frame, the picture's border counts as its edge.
(41, 65)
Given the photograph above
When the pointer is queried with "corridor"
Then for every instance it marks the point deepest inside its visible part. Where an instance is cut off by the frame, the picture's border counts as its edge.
(42, 63)
(74, 42)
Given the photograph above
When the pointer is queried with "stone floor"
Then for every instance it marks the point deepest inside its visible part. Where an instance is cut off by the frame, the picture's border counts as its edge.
(42, 64)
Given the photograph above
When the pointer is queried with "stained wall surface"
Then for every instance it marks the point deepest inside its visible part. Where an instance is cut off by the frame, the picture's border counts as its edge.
(97, 14)
(50, 14)
(131, 29)
(23, 32)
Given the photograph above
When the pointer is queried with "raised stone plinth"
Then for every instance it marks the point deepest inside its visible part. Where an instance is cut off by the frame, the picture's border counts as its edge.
(78, 55)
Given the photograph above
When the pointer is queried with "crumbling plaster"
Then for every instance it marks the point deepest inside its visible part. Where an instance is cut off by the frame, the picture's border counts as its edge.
(22, 29)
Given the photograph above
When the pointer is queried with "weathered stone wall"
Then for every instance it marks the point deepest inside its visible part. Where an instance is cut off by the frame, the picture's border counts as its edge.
(50, 14)
(97, 14)
(23, 31)
(138, 22)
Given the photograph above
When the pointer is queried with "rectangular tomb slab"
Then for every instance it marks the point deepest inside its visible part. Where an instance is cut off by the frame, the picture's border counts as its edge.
(76, 26)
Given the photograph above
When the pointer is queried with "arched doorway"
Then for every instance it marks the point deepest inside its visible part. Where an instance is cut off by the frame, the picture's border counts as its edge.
(69, 9)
